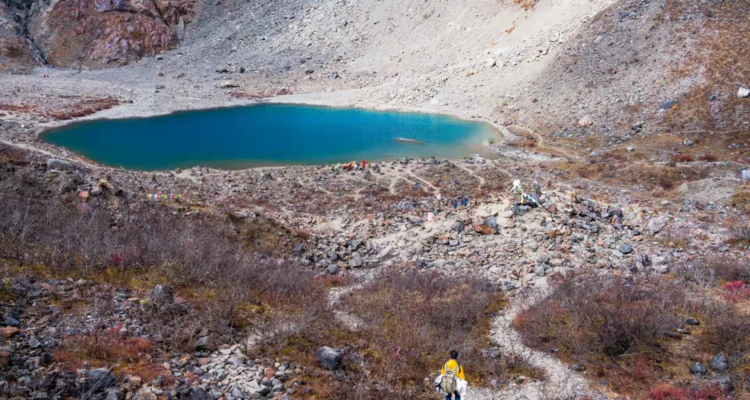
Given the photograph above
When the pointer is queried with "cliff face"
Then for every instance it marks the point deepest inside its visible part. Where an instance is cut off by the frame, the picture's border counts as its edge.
(106, 33)
(14, 51)
(89, 34)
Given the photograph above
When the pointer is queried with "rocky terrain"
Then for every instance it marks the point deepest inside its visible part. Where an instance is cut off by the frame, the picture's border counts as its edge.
(627, 120)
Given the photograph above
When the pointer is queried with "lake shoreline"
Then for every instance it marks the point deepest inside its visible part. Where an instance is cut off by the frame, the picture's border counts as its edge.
(344, 99)
(270, 134)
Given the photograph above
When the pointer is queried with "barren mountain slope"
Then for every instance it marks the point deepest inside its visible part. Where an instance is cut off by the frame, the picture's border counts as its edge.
(643, 68)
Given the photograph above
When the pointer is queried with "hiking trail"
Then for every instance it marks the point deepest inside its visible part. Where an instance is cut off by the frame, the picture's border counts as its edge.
(561, 382)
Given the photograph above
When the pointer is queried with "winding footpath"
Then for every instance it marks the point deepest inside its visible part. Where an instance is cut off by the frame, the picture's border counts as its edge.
(561, 382)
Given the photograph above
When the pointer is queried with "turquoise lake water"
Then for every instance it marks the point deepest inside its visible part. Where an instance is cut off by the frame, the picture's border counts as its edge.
(269, 134)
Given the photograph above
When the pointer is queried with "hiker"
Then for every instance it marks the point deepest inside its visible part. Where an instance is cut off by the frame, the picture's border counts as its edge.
(452, 375)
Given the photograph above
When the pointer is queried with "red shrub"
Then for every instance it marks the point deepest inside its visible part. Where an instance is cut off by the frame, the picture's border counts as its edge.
(708, 157)
(735, 291)
(667, 392)
(681, 158)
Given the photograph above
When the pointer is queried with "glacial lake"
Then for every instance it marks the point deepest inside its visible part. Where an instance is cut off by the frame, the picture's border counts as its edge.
(269, 134)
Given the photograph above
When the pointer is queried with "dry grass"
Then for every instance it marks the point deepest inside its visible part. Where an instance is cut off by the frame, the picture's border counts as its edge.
(649, 176)
(741, 201)
(739, 229)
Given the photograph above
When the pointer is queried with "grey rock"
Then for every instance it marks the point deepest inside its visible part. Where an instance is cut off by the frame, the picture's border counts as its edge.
(55, 164)
(492, 223)
(626, 248)
(668, 105)
(356, 261)
(692, 321)
(298, 250)
(10, 321)
(98, 380)
(355, 244)
(205, 343)
(720, 363)
(114, 393)
(698, 369)
(333, 269)
(725, 384)
(656, 225)
(329, 357)
(144, 394)
(199, 394)
(539, 270)
(662, 269)
(162, 295)
(234, 360)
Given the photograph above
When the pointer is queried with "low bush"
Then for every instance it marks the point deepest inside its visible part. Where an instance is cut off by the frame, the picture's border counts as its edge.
(107, 347)
(727, 331)
(739, 229)
(231, 264)
(714, 270)
(667, 392)
(593, 315)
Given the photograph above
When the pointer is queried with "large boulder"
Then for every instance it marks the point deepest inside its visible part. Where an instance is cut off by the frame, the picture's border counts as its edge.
(329, 357)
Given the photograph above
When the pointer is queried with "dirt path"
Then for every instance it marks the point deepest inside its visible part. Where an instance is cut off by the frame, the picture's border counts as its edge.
(436, 191)
(481, 180)
(561, 382)
(540, 144)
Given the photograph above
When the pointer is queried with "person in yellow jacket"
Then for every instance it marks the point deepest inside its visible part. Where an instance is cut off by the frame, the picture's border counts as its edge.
(453, 365)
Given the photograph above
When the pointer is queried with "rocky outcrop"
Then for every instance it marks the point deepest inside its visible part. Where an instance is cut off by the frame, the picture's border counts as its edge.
(14, 51)
(105, 33)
